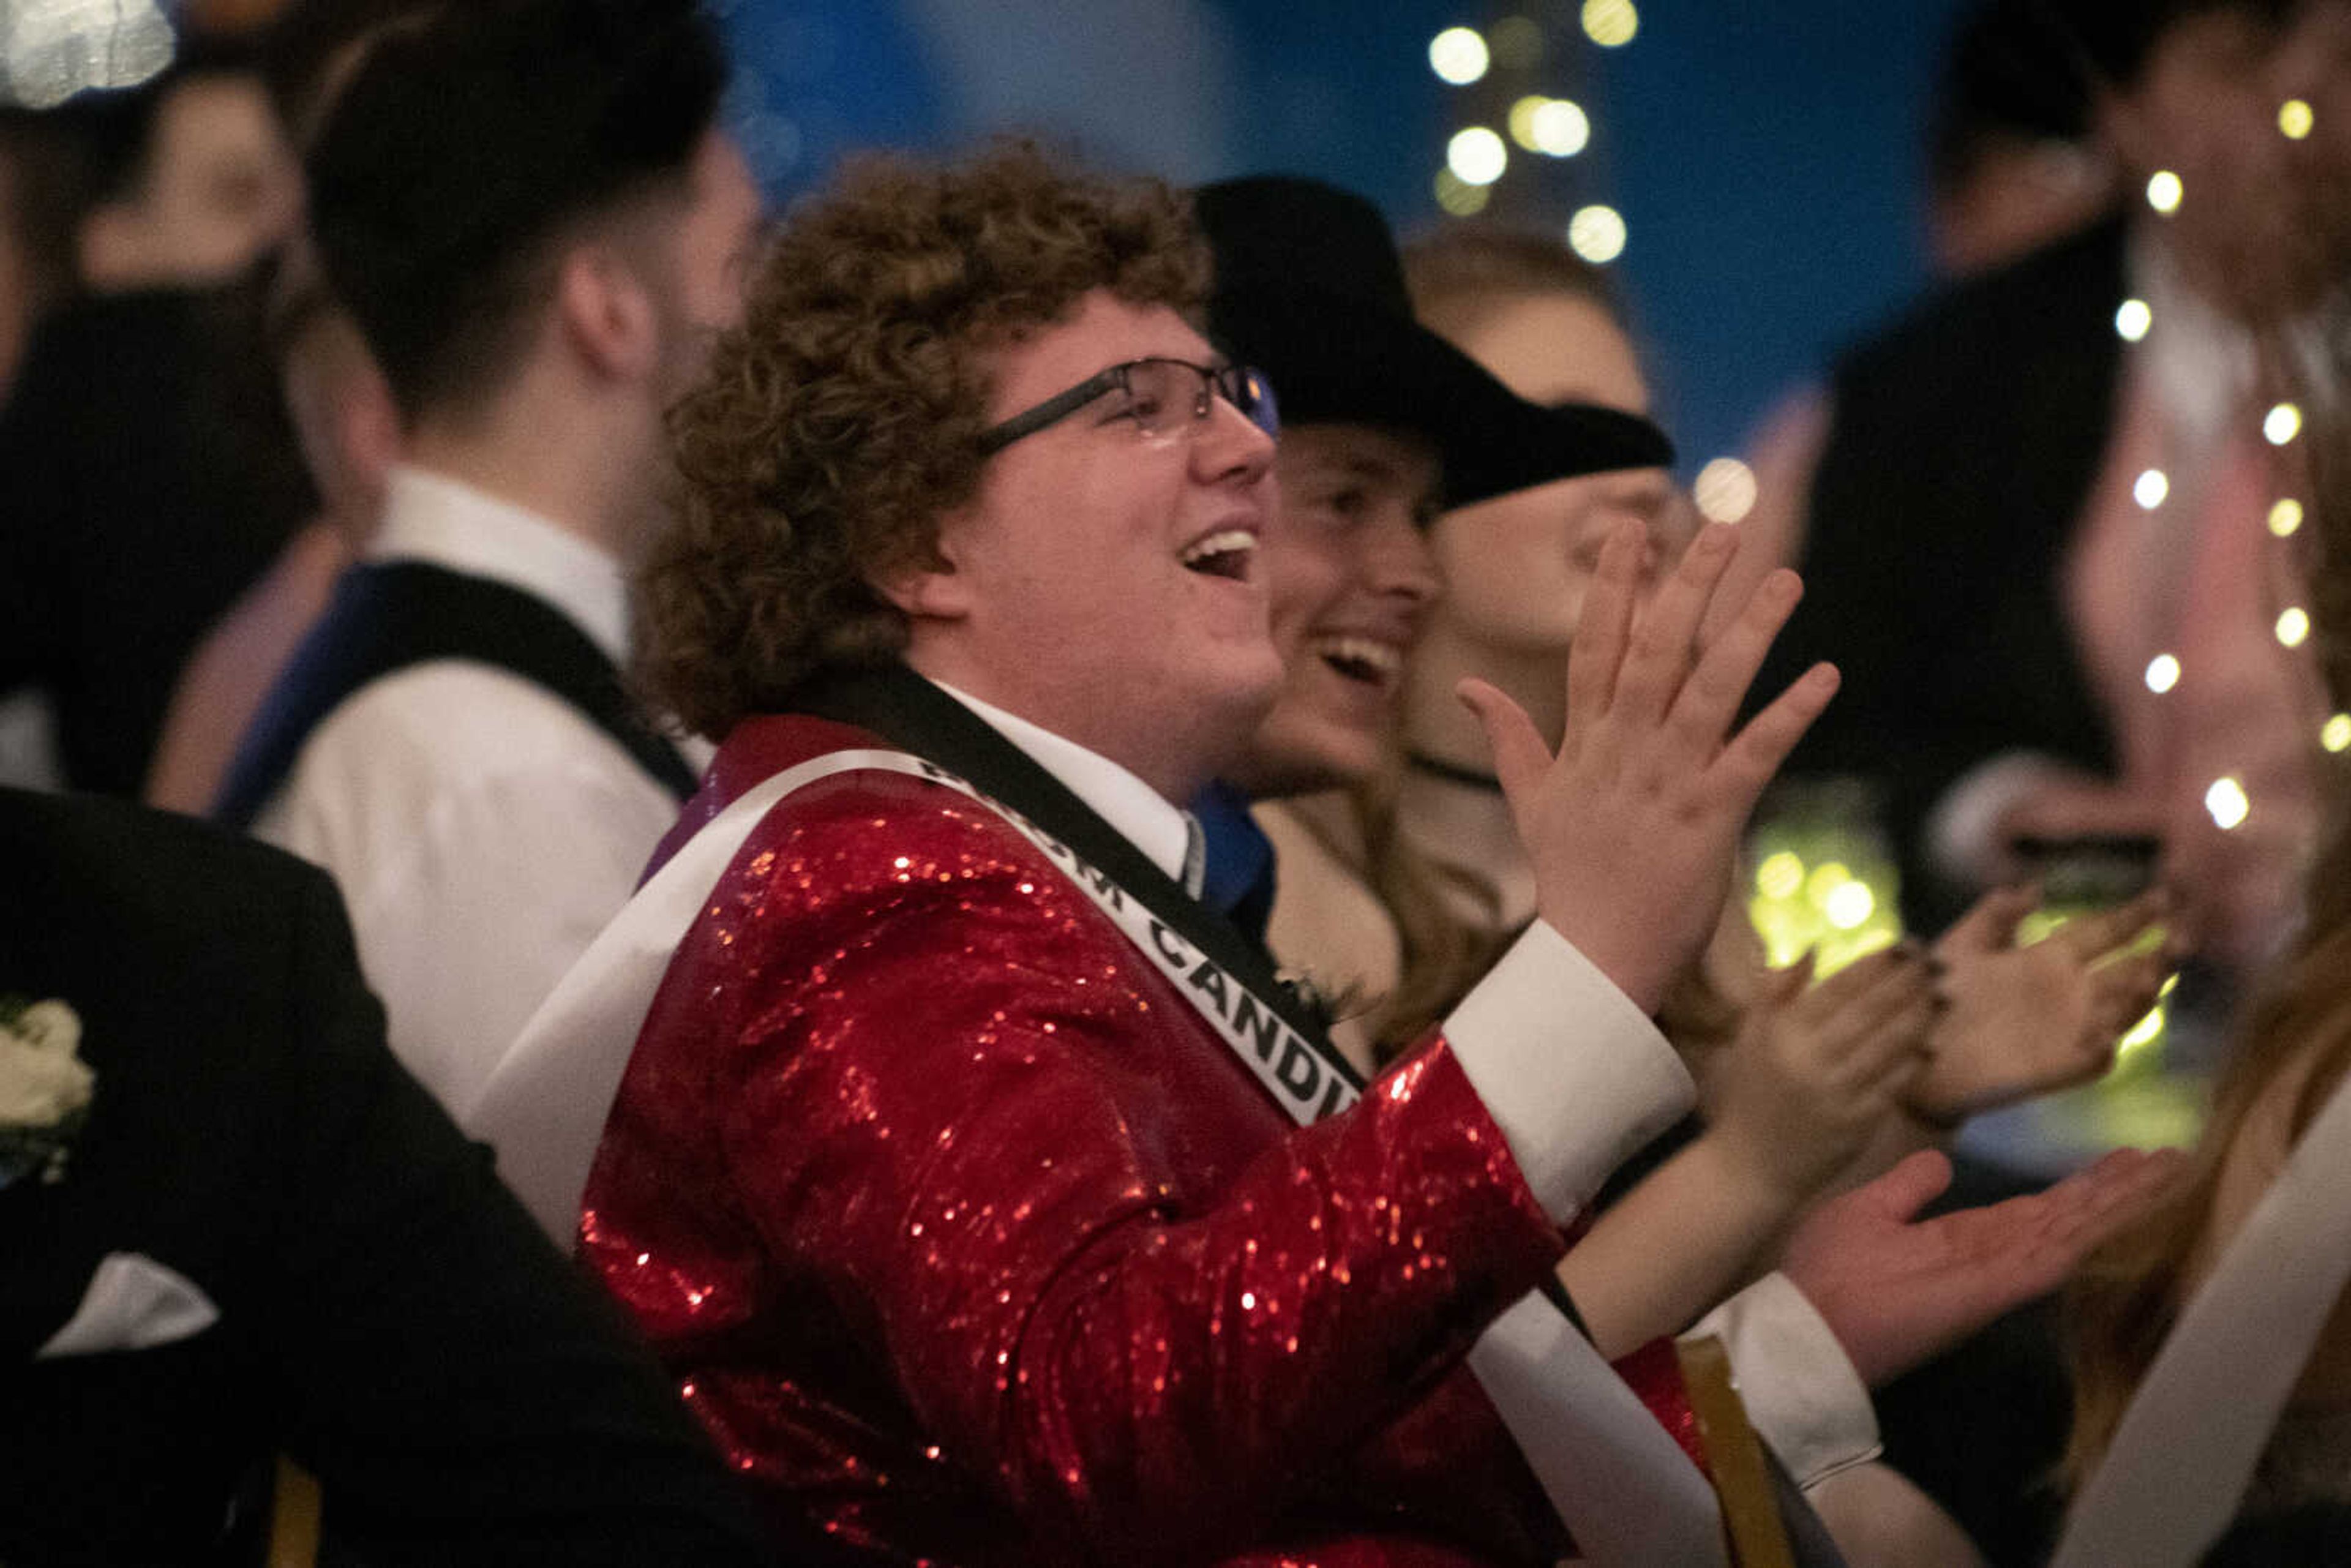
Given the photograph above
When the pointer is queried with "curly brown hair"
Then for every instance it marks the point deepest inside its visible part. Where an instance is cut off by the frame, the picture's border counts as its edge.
(842, 420)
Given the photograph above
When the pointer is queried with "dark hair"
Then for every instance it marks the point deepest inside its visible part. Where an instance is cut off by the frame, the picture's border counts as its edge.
(2115, 38)
(463, 149)
(842, 420)
(2011, 71)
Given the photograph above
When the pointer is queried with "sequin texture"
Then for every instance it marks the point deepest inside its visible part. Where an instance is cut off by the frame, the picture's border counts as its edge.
(974, 1245)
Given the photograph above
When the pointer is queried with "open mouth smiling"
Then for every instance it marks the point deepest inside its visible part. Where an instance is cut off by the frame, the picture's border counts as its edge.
(1226, 553)
(1362, 660)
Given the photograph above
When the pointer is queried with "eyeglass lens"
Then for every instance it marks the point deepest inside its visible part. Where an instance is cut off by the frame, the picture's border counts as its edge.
(1166, 397)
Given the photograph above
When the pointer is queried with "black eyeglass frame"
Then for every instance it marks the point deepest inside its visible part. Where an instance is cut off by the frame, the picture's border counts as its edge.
(1246, 389)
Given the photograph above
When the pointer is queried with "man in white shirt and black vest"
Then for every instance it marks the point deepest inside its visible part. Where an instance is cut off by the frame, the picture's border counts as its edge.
(536, 224)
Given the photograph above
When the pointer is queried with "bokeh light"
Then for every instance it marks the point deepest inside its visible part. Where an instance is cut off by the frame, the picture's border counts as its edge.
(2294, 119)
(1724, 490)
(1611, 24)
(2132, 320)
(2151, 488)
(1597, 235)
(1561, 128)
(2336, 732)
(2162, 674)
(1517, 42)
(1476, 156)
(1458, 55)
(2163, 192)
(1458, 197)
(2286, 517)
(2292, 625)
(2281, 424)
(2227, 803)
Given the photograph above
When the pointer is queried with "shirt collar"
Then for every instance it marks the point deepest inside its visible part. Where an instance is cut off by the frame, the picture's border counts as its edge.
(432, 517)
(1139, 813)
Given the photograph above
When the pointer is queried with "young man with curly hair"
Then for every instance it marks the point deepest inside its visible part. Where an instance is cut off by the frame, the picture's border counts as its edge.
(989, 1197)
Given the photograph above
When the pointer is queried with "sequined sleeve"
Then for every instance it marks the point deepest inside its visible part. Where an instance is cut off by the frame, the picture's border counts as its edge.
(1087, 1252)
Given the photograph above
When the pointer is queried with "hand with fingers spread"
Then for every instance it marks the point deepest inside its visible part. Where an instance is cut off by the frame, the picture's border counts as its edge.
(1818, 1068)
(1631, 824)
(2025, 1020)
(1897, 1291)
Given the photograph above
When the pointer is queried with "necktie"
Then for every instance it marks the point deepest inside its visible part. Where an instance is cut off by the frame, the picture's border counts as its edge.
(1237, 864)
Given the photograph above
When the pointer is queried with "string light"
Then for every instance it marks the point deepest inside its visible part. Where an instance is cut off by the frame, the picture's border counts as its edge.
(2226, 800)
(1458, 55)
(2286, 517)
(2162, 674)
(1724, 491)
(1850, 906)
(2294, 119)
(1459, 196)
(2293, 626)
(1597, 235)
(2336, 732)
(2282, 424)
(1521, 122)
(1611, 24)
(1476, 156)
(2133, 319)
(1560, 129)
(2163, 192)
(1518, 43)
(2150, 489)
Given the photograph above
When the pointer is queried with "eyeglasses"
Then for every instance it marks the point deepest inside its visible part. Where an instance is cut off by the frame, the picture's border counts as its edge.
(1167, 399)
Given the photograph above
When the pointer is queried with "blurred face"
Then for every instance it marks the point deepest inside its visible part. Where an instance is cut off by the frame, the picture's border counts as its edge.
(1351, 580)
(220, 189)
(1516, 568)
(2264, 222)
(1104, 583)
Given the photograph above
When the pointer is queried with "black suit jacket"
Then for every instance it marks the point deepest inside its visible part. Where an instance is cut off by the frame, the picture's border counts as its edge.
(1964, 443)
(388, 1314)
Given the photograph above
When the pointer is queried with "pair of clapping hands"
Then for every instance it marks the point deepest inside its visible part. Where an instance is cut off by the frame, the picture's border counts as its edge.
(1631, 826)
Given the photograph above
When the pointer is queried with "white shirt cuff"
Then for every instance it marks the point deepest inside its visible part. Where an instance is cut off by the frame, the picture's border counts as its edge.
(1959, 831)
(1574, 1075)
(1801, 1394)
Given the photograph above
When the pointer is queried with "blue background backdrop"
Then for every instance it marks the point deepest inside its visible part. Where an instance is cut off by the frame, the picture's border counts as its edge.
(1766, 158)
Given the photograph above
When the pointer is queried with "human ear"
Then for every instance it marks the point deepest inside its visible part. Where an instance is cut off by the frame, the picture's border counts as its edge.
(607, 314)
(929, 587)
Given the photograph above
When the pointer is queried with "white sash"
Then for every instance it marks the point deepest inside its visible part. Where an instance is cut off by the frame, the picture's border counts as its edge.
(1624, 1489)
(2187, 1447)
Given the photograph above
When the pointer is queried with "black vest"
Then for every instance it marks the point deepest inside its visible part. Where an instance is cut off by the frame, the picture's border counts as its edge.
(390, 615)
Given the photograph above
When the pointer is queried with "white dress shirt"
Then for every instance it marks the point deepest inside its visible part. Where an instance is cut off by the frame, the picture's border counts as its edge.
(483, 830)
(1572, 1111)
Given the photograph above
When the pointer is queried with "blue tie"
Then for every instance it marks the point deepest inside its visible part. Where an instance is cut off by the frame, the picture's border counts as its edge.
(1237, 866)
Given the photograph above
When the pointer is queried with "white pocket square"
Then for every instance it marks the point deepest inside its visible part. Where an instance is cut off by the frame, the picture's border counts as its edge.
(133, 1303)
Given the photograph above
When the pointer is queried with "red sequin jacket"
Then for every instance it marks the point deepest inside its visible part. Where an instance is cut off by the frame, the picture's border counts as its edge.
(971, 1244)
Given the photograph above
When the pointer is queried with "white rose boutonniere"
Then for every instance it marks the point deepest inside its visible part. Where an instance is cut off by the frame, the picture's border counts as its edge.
(45, 1088)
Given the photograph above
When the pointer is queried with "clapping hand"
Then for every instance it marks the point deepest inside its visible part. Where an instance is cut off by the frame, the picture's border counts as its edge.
(1817, 1068)
(2025, 1020)
(1897, 1291)
(1631, 825)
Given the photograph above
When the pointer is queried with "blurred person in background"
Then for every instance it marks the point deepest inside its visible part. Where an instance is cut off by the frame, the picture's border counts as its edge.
(2033, 520)
(531, 214)
(350, 430)
(343, 415)
(1420, 868)
(150, 470)
(2011, 162)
